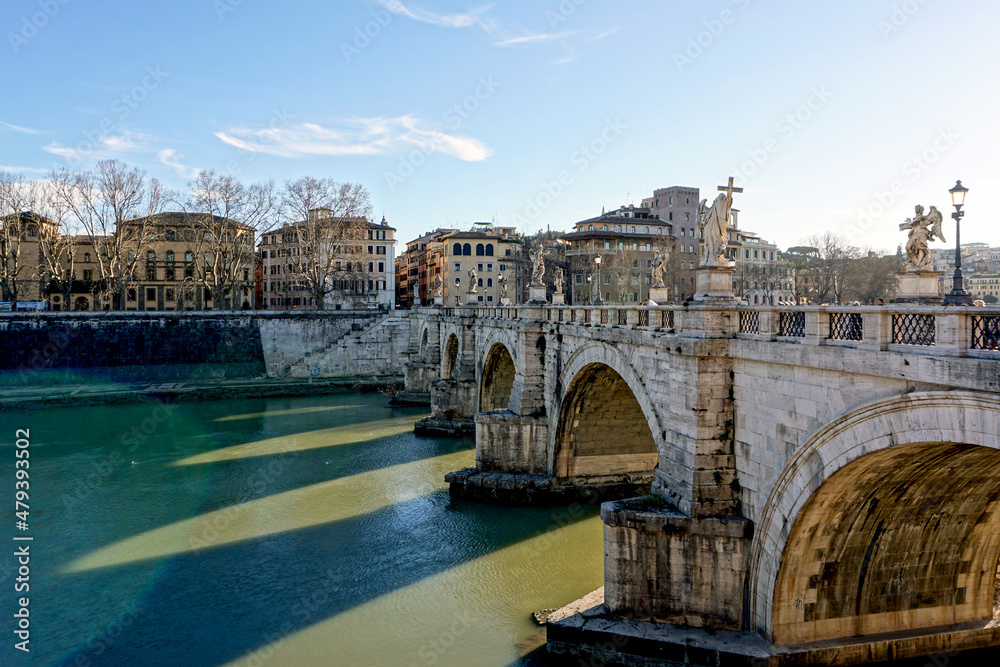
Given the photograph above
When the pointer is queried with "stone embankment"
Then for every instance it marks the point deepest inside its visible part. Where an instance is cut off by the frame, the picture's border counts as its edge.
(79, 358)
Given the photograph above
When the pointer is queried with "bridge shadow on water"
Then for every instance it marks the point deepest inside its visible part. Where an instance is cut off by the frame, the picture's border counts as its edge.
(219, 604)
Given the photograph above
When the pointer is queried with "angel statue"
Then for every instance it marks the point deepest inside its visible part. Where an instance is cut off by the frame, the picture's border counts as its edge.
(923, 229)
(438, 286)
(713, 222)
(472, 280)
(502, 279)
(538, 265)
(558, 280)
(659, 266)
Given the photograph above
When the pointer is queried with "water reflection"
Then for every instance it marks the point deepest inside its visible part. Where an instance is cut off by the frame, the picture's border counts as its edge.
(347, 553)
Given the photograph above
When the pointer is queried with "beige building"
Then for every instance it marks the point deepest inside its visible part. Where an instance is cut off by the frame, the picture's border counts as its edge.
(625, 240)
(492, 252)
(168, 261)
(355, 269)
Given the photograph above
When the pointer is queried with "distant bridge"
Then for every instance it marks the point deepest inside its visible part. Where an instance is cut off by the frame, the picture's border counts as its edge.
(826, 479)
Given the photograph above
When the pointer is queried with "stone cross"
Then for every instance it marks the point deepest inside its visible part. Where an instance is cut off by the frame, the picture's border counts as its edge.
(729, 190)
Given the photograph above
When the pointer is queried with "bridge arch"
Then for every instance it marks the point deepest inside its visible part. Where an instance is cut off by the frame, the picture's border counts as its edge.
(887, 518)
(449, 360)
(605, 423)
(497, 380)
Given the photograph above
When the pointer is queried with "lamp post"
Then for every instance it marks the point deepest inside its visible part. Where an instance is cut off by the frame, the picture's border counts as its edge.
(958, 296)
(597, 280)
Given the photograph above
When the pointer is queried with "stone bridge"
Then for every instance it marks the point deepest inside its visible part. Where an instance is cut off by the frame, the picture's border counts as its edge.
(823, 482)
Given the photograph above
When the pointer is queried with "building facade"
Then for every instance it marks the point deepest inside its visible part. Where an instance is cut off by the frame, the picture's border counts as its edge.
(350, 260)
(678, 205)
(610, 256)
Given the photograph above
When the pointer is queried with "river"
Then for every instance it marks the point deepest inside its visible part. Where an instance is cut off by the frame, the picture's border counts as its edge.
(298, 531)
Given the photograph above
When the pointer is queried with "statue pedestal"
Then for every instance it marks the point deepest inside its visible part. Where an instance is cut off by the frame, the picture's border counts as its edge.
(559, 299)
(505, 301)
(919, 287)
(536, 294)
(661, 295)
(715, 284)
(439, 300)
(471, 299)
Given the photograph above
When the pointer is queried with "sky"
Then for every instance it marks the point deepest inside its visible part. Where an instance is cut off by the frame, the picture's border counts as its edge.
(833, 116)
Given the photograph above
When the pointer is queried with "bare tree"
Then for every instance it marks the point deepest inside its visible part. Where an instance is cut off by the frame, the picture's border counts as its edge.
(831, 271)
(19, 226)
(873, 276)
(101, 200)
(327, 225)
(220, 229)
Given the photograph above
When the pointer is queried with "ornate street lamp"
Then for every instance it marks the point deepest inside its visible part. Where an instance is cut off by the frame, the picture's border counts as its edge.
(597, 279)
(958, 296)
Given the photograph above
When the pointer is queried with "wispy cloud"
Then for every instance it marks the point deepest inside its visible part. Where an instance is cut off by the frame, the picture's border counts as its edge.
(466, 20)
(20, 128)
(172, 159)
(23, 170)
(567, 57)
(472, 18)
(109, 145)
(357, 136)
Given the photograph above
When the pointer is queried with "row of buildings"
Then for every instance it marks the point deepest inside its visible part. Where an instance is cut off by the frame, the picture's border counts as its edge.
(191, 261)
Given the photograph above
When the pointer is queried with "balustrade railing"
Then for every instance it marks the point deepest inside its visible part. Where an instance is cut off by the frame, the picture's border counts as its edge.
(913, 329)
(792, 324)
(749, 322)
(846, 326)
(937, 330)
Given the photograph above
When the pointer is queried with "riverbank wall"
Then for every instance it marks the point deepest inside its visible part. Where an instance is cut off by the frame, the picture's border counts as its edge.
(130, 348)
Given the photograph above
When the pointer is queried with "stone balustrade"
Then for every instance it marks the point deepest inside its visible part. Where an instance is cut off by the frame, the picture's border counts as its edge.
(934, 329)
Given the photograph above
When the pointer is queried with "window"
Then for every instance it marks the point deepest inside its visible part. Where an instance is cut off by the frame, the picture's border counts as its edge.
(489, 298)
(503, 267)
(466, 249)
(489, 268)
(646, 230)
(456, 249)
(687, 216)
(604, 228)
(480, 298)
(171, 235)
(371, 250)
(479, 267)
(168, 294)
(88, 274)
(480, 250)
(607, 278)
(690, 248)
(607, 245)
(150, 273)
(170, 255)
(381, 267)
(169, 273)
(633, 230)
(150, 294)
(208, 236)
(489, 249)
(591, 228)
(208, 257)
(458, 267)
(671, 201)
(86, 257)
(151, 256)
(670, 216)
(578, 278)
(489, 282)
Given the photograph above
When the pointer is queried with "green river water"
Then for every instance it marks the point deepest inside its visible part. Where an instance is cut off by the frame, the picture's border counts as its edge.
(302, 531)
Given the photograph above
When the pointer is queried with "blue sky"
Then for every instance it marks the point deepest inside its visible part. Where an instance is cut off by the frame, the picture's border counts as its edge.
(833, 116)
